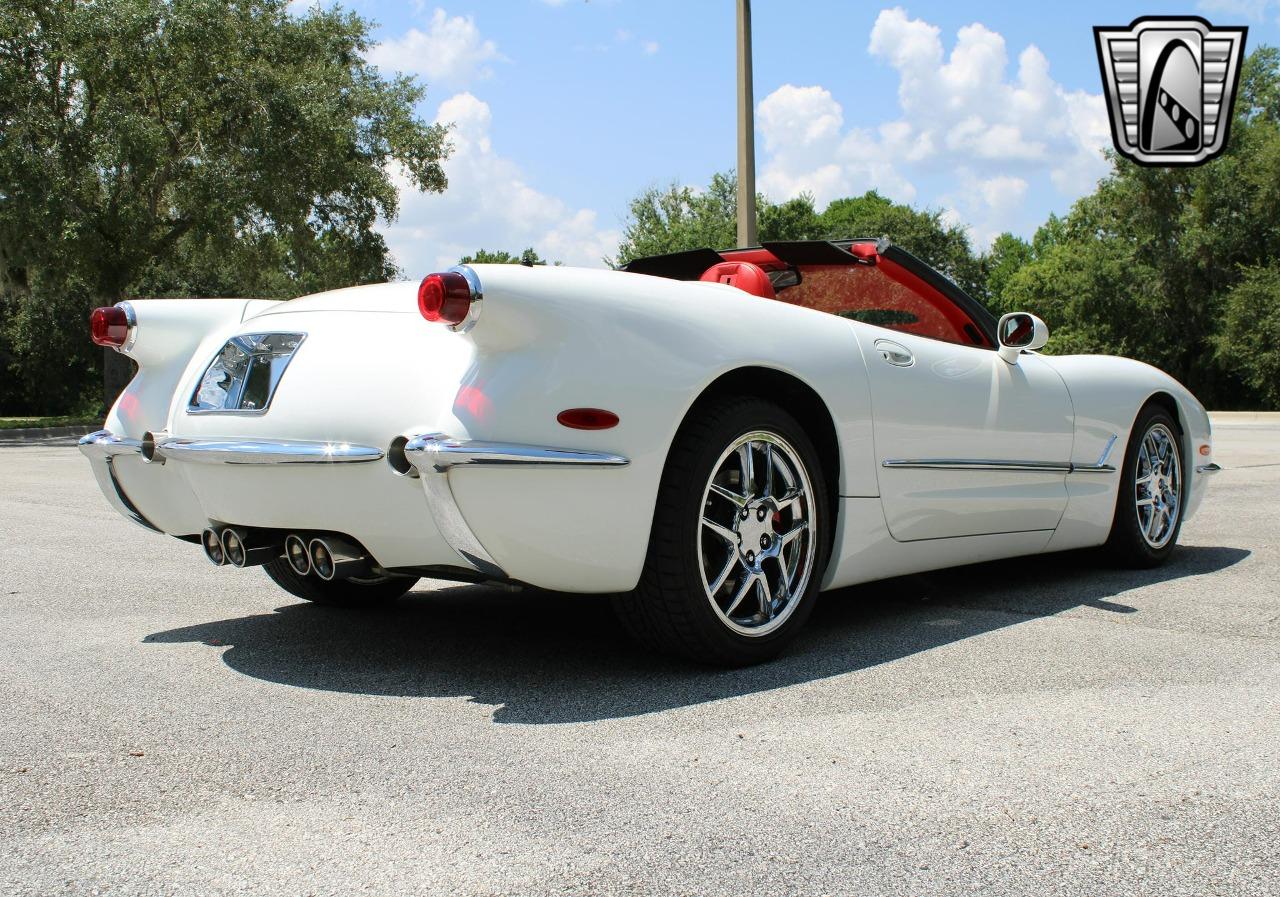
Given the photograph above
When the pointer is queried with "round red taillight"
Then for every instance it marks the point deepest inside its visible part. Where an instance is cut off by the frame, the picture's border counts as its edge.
(587, 418)
(109, 326)
(445, 297)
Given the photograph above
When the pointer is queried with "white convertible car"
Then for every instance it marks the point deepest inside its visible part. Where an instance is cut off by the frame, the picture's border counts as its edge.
(711, 438)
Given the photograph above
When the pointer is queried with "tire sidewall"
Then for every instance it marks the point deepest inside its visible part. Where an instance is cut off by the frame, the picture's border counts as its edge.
(741, 418)
(1126, 541)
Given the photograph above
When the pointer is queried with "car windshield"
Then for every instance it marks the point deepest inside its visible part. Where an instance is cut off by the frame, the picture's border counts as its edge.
(866, 293)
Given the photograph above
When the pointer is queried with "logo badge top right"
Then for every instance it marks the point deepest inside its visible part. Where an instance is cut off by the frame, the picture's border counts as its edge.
(1170, 84)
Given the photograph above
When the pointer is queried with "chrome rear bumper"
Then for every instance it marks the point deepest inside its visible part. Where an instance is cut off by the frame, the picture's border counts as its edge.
(432, 456)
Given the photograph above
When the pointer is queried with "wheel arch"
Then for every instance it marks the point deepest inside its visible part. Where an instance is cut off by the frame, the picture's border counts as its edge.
(798, 399)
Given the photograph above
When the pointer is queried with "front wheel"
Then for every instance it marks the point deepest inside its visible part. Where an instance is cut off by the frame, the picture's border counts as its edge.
(1148, 513)
(739, 540)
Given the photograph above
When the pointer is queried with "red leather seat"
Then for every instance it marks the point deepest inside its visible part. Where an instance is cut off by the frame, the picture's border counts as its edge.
(743, 275)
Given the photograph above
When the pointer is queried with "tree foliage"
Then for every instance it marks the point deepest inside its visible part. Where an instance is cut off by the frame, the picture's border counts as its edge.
(501, 257)
(153, 147)
(1157, 263)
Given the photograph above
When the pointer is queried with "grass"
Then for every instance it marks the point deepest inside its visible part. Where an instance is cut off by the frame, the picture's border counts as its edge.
(20, 423)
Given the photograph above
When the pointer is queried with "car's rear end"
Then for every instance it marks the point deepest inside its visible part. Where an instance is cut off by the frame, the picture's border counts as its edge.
(259, 421)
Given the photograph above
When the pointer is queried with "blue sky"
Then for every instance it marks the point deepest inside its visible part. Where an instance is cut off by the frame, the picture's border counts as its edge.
(564, 109)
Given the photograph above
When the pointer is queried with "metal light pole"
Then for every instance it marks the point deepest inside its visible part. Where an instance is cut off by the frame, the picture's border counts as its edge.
(746, 132)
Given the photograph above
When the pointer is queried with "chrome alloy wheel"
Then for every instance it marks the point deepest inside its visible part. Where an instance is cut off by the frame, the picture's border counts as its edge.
(757, 540)
(1158, 486)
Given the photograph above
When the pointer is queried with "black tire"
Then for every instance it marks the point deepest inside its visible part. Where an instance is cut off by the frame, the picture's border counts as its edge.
(670, 610)
(1127, 544)
(338, 592)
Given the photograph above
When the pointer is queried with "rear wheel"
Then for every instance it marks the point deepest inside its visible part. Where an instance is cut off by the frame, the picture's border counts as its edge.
(1148, 513)
(362, 592)
(739, 540)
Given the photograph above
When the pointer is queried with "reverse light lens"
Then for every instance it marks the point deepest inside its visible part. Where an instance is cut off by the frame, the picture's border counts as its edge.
(109, 326)
(445, 297)
(587, 419)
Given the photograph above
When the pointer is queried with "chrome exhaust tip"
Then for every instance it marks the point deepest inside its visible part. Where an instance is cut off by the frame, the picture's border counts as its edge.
(295, 550)
(212, 545)
(239, 551)
(233, 547)
(333, 558)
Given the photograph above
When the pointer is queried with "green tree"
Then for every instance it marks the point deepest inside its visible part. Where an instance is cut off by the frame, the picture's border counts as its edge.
(502, 257)
(1250, 340)
(157, 146)
(1149, 263)
(1007, 255)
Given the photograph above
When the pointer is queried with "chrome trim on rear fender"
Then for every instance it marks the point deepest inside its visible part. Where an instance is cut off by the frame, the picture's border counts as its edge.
(101, 448)
(105, 444)
(435, 454)
(263, 451)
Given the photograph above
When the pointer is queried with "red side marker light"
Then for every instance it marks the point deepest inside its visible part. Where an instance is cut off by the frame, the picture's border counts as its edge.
(109, 326)
(1204, 450)
(587, 418)
(445, 297)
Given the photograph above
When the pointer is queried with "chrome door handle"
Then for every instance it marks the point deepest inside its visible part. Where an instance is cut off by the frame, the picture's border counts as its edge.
(894, 353)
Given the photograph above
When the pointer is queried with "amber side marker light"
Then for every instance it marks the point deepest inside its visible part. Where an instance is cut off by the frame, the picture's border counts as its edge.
(1204, 450)
(587, 418)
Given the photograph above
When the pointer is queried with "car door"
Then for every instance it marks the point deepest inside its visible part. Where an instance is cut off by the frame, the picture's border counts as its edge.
(966, 444)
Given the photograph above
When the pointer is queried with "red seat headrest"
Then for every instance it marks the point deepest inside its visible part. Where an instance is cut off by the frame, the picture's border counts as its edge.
(743, 275)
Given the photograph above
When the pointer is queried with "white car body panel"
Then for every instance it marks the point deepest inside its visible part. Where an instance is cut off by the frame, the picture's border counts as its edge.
(372, 369)
(965, 402)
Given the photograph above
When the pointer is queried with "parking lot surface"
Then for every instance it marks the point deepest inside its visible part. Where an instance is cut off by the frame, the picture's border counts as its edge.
(1039, 726)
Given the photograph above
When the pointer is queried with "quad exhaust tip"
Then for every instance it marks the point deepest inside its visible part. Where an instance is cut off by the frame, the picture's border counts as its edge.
(295, 549)
(237, 547)
(233, 547)
(212, 544)
(332, 558)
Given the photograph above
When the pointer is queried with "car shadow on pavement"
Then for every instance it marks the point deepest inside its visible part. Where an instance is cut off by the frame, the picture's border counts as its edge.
(552, 658)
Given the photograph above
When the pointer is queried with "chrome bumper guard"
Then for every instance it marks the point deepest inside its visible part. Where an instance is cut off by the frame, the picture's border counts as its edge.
(435, 454)
(101, 448)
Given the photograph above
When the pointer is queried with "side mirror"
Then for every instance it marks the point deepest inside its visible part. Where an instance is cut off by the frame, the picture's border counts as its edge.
(1018, 331)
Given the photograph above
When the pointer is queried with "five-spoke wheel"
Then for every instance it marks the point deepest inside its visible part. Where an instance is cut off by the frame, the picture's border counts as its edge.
(1149, 502)
(739, 540)
(1158, 486)
(757, 544)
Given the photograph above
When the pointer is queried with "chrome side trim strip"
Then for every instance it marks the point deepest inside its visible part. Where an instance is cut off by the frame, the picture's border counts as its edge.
(435, 454)
(991, 464)
(983, 464)
(263, 451)
(1208, 468)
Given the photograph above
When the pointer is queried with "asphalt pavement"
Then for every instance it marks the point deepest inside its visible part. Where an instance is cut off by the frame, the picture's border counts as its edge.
(1038, 726)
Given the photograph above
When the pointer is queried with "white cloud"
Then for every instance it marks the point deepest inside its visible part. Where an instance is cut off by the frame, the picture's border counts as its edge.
(650, 47)
(1254, 10)
(958, 113)
(449, 50)
(488, 205)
